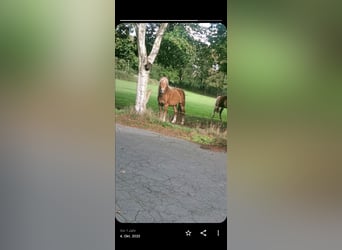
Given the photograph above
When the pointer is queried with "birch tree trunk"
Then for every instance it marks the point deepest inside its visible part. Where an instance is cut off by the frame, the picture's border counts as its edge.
(145, 64)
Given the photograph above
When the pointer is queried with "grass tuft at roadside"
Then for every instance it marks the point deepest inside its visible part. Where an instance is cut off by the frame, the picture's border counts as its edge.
(210, 134)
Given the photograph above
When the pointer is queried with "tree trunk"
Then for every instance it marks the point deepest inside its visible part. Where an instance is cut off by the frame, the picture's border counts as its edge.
(140, 101)
(145, 64)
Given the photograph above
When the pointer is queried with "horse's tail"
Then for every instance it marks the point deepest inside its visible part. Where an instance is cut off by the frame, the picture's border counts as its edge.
(183, 97)
(181, 104)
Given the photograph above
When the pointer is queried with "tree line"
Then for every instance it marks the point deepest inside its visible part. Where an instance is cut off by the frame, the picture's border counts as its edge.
(191, 55)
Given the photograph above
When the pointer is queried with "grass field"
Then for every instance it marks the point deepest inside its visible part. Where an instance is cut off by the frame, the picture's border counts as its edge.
(197, 107)
(198, 127)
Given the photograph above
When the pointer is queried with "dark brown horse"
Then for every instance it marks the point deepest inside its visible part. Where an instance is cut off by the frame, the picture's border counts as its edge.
(169, 96)
(220, 105)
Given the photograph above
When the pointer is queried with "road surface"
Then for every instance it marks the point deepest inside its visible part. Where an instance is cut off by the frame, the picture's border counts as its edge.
(166, 179)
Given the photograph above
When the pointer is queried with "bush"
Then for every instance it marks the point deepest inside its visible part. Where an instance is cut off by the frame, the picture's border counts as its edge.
(122, 75)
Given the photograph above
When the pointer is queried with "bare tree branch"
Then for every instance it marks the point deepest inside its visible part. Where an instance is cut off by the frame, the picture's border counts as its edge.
(157, 42)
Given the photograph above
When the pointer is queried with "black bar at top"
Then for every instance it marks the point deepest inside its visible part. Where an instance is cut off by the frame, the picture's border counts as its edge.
(171, 11)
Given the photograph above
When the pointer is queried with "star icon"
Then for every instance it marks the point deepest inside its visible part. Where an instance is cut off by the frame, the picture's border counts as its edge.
(188, 233)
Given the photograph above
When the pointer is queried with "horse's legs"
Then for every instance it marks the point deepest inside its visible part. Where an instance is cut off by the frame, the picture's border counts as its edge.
(221, 109)
(182, 111)
(165, 112)
(174, 114)
(213, 114)
(160, 112)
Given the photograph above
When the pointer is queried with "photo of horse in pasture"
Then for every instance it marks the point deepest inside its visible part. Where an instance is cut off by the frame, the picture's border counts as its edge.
(170, 148)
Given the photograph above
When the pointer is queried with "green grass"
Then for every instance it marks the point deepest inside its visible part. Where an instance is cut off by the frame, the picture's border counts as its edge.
(197, 107)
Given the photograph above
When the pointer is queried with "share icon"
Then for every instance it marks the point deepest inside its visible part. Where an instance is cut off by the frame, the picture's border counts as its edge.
(204, 232)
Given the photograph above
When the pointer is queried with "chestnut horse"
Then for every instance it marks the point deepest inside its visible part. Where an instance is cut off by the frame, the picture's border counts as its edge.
(170, 96)
(220, 104)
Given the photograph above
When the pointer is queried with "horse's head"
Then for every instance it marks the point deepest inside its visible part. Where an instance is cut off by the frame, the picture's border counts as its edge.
(163, 85)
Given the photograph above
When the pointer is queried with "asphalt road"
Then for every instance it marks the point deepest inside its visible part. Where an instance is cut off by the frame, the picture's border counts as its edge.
(166, 179)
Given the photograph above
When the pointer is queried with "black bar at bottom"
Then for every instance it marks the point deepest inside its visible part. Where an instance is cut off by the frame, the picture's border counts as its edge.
(201, 235)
